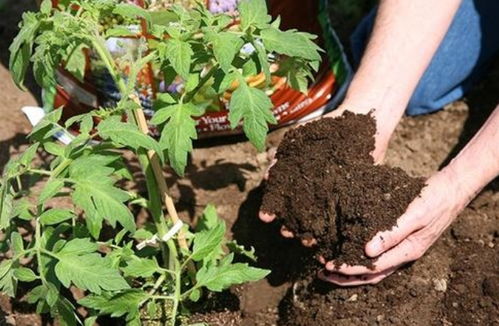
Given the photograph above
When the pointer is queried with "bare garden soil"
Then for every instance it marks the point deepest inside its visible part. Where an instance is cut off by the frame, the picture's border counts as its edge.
(455, 283)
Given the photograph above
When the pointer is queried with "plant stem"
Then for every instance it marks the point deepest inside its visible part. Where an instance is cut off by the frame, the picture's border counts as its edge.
(203, 81)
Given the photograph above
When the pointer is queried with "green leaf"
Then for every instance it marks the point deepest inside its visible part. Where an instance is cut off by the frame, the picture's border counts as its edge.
(180, 55)
(65, 312)
(52, 187)
(291, 43)
(178, 133)
(8, 283)
(100, 200)
(5, 267)
(253, 13)
(21, 48)
(16, 242)
(223, 81)
(192, 82)
(25, 274)
(252, 106)
(54, 149)
(46, 7)
(195, 295)
(29, 154)
(77, 62)
(225, 47)
(6, 205)
(240, 250)
(219, 278)
(79, 246)
(263, 60)
(209, 220)
(90, 321)
(127, 135)
(208, 241)
(89, 272)
(118, 305)
(132, 11)
(55, 216)
(141, 267)
(120, 31)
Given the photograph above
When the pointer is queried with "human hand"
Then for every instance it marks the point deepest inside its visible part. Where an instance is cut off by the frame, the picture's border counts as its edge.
(378, 156)
(425, 220)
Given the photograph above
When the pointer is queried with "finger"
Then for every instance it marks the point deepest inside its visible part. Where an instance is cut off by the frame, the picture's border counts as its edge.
(286, 233)
(383, 241)
(322, 260)
(407, 251)
(266, 217)
(348, 280)
(309, 242)
(267, 172)
(347, 269)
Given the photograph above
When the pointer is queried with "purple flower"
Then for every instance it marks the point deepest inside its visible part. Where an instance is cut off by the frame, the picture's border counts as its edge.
(219, 6)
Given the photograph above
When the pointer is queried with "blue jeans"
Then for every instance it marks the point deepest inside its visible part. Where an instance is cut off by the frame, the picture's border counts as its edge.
(462, 58)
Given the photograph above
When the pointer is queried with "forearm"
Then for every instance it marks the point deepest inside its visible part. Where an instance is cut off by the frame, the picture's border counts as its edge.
(478, 163)
(406, 35)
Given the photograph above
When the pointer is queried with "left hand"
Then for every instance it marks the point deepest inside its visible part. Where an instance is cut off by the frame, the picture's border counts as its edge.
(425, 220)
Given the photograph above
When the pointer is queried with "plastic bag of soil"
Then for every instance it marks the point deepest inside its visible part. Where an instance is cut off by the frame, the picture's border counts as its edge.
(98, 89)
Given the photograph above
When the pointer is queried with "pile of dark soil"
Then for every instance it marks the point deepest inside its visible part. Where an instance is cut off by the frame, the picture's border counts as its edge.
(325, 186)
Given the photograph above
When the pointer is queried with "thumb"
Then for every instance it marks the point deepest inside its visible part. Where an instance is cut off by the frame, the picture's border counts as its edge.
(385, 240)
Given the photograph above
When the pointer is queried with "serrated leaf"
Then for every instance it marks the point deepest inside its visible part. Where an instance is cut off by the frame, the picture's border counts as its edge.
(290, 43)
(236, 248)
(16, 242)
(21, 48)
(225, 47)
(208, 241)
(120, 31)
(54, 149)
(178, 133)
(180, 55)
(195, 295)
(6, 205)
(141, 267)
(46, 7)
(263, 60)
(77, 61)
(252, 106)
(117, 305)
(29, 154)
(223, 81)
(192, 82)
(90, 272)
(52, 187)
(209, 220)
(79, 246)
(55, 216)
(8, 283)
(102, 201)
(127, 135)
(90, 321)
(253, 13)
(65, 312)
(219, 278)
(25, 274)
(132, 11)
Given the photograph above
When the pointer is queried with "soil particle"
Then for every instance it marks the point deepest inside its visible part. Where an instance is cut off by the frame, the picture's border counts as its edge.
(325, 185)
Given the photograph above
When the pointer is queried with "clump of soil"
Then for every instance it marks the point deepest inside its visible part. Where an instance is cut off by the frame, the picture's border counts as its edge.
(325, 186)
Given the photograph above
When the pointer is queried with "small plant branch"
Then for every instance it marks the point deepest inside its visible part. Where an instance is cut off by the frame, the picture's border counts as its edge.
(202, 82)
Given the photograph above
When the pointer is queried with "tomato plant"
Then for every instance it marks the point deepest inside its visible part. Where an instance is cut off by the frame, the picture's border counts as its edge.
(90, 242)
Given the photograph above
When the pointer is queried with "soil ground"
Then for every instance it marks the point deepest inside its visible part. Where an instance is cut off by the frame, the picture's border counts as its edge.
(455, 283)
